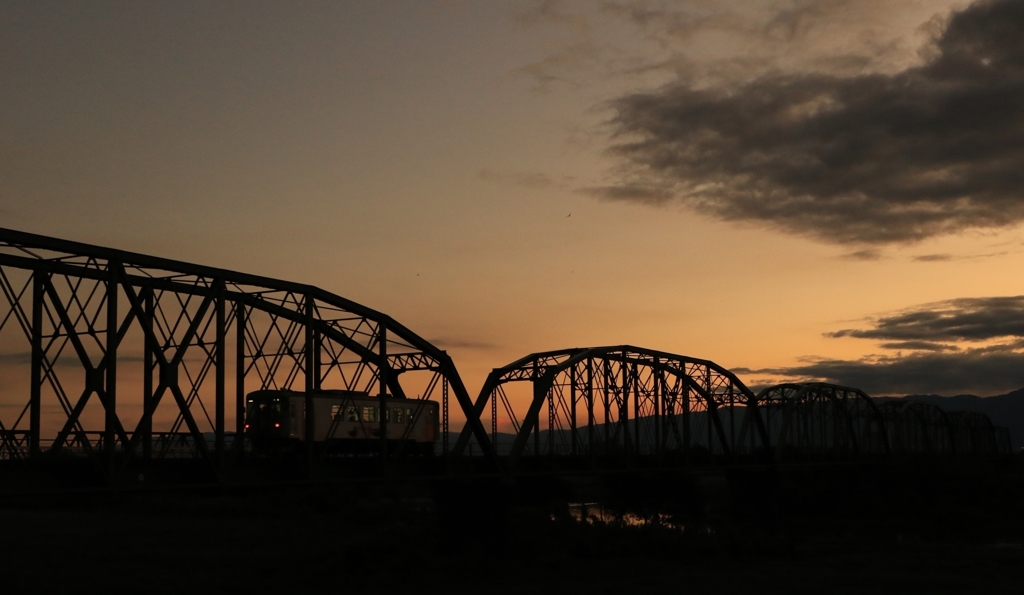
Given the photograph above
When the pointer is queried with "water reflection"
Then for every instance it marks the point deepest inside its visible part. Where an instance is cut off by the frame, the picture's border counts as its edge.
(595, 512)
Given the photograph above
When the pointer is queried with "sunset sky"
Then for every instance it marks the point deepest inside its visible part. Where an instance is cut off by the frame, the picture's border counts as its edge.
(794, 189)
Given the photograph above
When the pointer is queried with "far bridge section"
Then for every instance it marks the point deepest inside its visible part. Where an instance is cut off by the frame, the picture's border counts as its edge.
(124, 359)
(821, 422)
(600, 409)
(616, 407)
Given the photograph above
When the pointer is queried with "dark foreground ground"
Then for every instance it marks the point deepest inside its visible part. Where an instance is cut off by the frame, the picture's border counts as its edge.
(947, 529)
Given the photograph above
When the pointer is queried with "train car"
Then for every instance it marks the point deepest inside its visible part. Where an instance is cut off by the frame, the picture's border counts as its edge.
(343, 421)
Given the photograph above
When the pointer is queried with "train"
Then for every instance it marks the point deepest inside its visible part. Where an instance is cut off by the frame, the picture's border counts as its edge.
(344, 422)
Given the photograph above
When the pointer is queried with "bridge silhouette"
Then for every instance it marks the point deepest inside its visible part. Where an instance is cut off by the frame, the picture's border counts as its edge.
(124, 360)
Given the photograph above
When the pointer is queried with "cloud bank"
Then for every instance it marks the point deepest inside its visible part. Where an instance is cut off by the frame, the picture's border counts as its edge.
(965, 345)
(975, 371)
(963, 319)
(857, 159)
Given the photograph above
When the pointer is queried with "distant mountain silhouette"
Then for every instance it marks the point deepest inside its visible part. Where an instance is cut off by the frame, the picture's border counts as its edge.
(1004, 410)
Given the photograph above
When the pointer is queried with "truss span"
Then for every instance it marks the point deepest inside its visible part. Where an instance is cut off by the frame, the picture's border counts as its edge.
(973, 433)
(819, 421)
(614, 402)
(916, 427)
(107, 351)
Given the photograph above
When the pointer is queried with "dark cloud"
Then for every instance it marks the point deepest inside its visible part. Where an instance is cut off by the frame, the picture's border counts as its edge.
(976, 371)
(875, 158)
(663, 22)
(971, 345)
(863, 255)
(951, 257)
(633, 192)
(920, 346)
(933, 258)
(16, 358)
(963, 319)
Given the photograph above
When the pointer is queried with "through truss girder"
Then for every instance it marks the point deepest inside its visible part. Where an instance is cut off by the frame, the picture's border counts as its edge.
(818, 420)
(191, 318)
(622, 398)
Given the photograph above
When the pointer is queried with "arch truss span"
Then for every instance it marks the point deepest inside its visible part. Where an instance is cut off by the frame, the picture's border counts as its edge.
(606, 403)
(974, 434)
(107, 351)
(917, 427)
(820, 421)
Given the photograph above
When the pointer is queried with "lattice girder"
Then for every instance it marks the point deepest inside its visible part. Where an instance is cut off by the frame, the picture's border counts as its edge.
(621, 398)
(822, 421)
(176, 325)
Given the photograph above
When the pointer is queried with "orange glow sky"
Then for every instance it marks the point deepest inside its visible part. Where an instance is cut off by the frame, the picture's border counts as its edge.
(441, 162)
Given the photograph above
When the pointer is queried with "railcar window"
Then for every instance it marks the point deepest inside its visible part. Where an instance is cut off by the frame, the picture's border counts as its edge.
(351, 414)
(398, 415)
(369, 413)
(408, 415)
(334, 411)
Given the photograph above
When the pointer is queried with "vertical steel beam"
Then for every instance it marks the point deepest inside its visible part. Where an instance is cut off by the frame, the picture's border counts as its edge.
(240, 326)
(494, 418)
(687, 439)
(723, 438)
(606, 375)
(590, 408)
(709, 410)
(858, 448)
(760, 425)
(310, 384)
(536, 437)
(36, 389)
(572, 409)
(657, 379)
(551, 423)
(536, 426)
(624, 405)
(634, 373)
(147, 376)
(110, 388)
(732, 418)
(444, 415)
(317, 369)
(219, 363)
(383, 373)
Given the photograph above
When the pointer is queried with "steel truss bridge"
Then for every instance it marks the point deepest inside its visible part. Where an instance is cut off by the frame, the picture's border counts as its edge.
(617, 402)
(819, 420)
(121, 358)
(608, 406)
